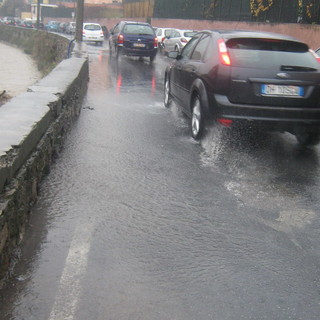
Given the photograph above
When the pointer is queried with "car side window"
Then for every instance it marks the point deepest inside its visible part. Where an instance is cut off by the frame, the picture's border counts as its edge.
(159, 32)
(116, 29)
(176, 34)
(201, 48)
(188, 49)
(167, 33)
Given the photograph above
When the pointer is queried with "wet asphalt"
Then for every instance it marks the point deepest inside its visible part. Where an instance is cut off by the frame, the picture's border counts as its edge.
(138, 221)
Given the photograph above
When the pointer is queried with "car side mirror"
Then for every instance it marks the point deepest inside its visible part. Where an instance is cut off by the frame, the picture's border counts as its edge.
(173, 55)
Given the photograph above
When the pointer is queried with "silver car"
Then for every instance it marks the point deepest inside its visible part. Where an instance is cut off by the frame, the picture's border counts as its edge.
(177, 40)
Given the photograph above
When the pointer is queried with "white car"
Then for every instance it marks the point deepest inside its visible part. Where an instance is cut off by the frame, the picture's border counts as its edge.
(92, 32)
(177, 40)
(71, 28)
(162, 34)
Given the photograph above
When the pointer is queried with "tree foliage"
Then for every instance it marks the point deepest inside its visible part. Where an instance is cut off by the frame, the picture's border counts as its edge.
(10, 8)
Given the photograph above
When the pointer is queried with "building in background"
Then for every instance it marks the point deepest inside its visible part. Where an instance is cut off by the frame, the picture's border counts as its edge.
(138, 8)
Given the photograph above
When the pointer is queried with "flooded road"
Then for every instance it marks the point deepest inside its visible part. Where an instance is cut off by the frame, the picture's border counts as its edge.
(138, 221)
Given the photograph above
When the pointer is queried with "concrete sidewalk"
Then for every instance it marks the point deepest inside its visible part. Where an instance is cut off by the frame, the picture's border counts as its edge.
(17, 71)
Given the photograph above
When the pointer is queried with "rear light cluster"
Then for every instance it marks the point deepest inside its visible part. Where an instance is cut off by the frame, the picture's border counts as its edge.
(120, 39)
(155, 42)
(183, 40)
(223, 52)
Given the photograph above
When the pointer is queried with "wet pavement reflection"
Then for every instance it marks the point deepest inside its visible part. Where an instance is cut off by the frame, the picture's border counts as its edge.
(138, 221)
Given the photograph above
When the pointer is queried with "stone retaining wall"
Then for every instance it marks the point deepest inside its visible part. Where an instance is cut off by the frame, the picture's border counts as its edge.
(47, 49)
(33, 127)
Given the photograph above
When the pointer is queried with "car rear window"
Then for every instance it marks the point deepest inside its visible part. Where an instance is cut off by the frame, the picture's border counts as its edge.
(266, 53)
(137, 29)
(92, 27)
(189, 34)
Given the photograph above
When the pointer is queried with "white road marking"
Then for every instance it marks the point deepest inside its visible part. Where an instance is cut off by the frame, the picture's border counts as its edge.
(70, 283)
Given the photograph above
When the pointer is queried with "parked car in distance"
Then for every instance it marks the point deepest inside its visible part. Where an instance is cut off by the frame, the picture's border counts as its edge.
(9, 21)
(71, 28)
(133, 39)
(177, 39)
(268, 81)
(162, 34)
(52, 26)
(62, 27)
(26, 24)
(92, 32)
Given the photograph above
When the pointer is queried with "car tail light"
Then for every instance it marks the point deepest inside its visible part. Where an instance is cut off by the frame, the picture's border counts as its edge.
(183, 40)
(155, 42)
(225, 122)
(315, 55)
(163, 39)
(224, 54)
(120, 39)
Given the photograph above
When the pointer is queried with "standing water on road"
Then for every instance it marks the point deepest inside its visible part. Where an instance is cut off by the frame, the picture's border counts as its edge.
(137, 221)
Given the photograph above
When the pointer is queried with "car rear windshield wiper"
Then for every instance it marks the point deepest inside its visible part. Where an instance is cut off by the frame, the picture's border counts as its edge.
(145, 34)
(297, 68)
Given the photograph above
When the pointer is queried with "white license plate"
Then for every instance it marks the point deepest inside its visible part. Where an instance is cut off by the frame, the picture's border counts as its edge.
(282, 91)
(139, 45)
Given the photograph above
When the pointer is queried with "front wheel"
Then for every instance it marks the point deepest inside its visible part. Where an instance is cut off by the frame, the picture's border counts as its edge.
(167, 94)
(308, 138)
(197, 121)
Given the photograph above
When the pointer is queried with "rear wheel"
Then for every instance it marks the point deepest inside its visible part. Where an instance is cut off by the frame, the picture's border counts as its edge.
(167, 94)
(308, 138)
(152, 58)
(118, 52)
(197, 122)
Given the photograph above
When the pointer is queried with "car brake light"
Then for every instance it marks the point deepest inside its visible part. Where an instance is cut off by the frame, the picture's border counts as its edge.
(224, 54)
(155, 42)
(120, 39)
(315, 55)
(183, 40)
(163, 39)
(225, 122)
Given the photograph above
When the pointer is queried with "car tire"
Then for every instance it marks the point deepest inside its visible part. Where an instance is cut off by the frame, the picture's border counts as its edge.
(152, 58)
(118, 52)
(197, 121)
(110, 49)
(308, 138)
(167, 94)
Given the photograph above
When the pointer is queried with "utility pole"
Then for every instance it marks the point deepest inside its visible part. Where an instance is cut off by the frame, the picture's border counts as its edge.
(38, 14)
(79, 20)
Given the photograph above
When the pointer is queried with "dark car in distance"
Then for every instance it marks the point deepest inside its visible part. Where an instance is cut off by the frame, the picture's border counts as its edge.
(133, 39)
(253, 79)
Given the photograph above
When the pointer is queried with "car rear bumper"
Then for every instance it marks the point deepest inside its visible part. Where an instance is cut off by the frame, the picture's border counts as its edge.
(269, 117)
(139, 52)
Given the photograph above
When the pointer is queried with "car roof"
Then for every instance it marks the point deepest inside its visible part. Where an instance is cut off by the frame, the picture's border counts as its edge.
(135, 22)
(228, 34)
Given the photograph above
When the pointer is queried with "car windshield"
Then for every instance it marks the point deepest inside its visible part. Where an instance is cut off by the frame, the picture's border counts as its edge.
(266, 53)
(92, 27)
(189, 33)
(137, 29)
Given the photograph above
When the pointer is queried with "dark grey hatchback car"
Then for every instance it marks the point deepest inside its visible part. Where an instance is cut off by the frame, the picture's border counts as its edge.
(259, 79)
